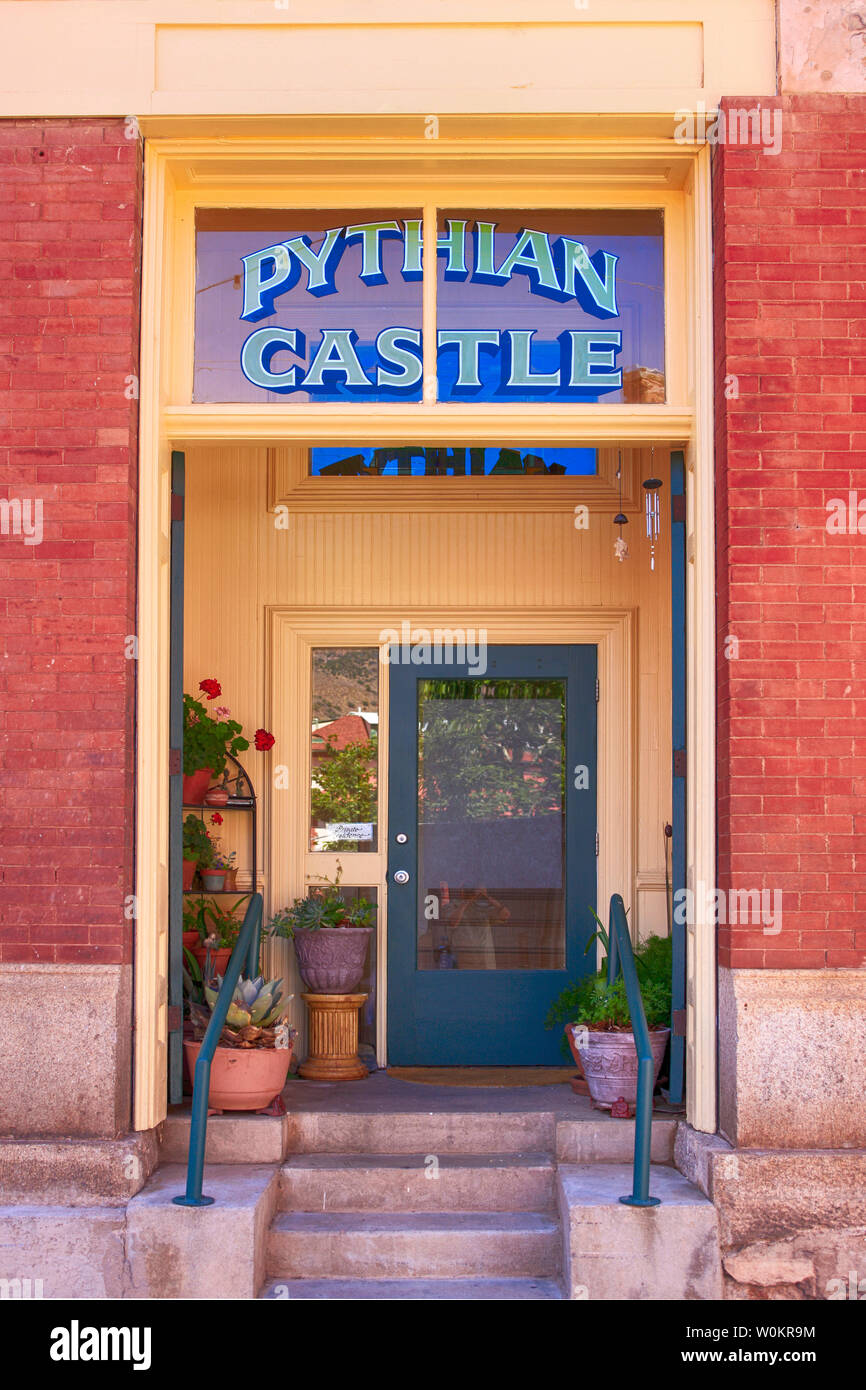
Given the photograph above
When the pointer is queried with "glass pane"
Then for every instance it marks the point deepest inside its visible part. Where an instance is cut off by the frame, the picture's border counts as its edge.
(301, 306)
(344, 749)
(411, 461)
(491, 831)
(564, 306)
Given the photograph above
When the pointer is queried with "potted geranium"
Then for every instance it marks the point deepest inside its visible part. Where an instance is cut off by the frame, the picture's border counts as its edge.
(208, 740)
(251, 1061)
(331, 937)
(597, 1023)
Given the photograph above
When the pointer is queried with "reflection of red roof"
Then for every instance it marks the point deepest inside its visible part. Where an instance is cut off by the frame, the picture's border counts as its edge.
(349, 728)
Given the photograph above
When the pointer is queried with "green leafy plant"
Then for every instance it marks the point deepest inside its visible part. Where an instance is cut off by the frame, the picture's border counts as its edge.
(222, 924)
(207, 742)
(197, 844)
(599, 1006)
(194, 916)
(255, 1017)
(323, 907)
(193, 981)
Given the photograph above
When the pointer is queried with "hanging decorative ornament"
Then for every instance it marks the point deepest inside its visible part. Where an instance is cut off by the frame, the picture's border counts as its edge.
(653, 512)
(620, 545)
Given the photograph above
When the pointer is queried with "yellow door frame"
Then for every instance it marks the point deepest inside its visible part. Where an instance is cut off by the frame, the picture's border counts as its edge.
(635, 169)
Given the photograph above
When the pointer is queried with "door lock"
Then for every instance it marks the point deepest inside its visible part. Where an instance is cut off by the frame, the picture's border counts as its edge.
(401, 875)
(401, 838)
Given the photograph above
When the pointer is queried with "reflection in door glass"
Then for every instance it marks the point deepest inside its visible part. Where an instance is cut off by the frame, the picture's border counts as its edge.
(491, 824)
(344, 749)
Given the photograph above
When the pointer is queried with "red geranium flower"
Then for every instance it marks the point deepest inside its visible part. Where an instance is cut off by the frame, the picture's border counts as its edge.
(211, 688)
(216, 818)
(264, 740)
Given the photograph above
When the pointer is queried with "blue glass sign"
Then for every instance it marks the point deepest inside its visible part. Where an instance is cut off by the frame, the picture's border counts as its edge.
(546, 307)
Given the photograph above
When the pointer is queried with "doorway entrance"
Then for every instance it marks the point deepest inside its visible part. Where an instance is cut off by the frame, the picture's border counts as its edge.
(492, 849)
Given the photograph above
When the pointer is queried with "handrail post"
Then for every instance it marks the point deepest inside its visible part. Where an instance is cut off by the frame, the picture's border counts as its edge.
(245, 948)
(620, 954)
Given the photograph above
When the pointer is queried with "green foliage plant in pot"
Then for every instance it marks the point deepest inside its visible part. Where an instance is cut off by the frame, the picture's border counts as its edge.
(251, 1062)
(197, 849)
(331, 937)
(597, 1022)
(221, 926)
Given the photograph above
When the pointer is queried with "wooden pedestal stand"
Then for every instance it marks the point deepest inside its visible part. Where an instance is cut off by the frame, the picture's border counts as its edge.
(333, 1042)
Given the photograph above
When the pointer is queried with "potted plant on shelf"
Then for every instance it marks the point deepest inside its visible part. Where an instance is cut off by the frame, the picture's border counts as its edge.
(597, 1023)
(221, 926)
(207, 742)
(251, 1061)
(231, 873)
(331, 937)
(197, 849)
(194, 926)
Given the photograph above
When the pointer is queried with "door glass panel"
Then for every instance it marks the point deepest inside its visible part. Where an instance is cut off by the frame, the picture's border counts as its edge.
(491, 831)
(344, 751)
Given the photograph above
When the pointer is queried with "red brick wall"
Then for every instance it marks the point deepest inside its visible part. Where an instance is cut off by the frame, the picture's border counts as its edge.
(70, 217)
(790, 314)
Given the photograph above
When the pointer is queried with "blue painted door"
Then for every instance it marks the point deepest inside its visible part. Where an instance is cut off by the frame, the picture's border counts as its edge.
(492, 851)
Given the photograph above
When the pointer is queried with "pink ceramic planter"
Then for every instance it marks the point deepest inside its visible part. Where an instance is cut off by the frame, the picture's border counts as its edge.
(242, 1078)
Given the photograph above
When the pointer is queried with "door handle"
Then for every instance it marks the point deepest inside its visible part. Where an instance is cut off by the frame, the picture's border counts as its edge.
(401, 875)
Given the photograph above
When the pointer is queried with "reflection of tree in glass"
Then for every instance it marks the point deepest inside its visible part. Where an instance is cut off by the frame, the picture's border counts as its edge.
(344, 787)
(491, 748)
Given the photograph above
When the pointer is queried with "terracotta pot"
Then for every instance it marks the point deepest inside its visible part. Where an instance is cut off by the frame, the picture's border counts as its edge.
(609, 1061)
(188, 874)
(219, 958)
(331, 960)
(217, 796)
(231, 880)
(213, 880)
(195, 786)
(190, 940)
(243, 1078)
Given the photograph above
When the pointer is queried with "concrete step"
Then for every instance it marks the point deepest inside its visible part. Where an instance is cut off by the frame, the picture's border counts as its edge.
(422, 1290)
(421, 1131)
(618, 1252)
(417, 1182)
(432, 1245)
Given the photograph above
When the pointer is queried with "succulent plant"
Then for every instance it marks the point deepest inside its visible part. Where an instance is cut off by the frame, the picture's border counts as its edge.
(255, 1015)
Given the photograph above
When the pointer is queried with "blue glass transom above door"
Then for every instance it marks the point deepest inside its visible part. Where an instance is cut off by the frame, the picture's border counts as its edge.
(532, 306)
(491, 864)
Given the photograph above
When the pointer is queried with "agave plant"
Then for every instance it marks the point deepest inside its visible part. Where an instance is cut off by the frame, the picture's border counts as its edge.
(255, 1017)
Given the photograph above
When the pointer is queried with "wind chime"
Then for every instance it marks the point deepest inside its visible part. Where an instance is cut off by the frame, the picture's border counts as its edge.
(620, 545)
(653, 511)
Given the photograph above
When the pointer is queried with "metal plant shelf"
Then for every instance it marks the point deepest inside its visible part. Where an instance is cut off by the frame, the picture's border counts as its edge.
(240, 778)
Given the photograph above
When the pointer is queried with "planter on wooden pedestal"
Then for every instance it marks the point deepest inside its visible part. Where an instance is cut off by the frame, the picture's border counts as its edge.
(333, 1038)
(331, 959)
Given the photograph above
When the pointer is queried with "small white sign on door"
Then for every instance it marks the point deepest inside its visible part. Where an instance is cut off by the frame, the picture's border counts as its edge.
(350, 830)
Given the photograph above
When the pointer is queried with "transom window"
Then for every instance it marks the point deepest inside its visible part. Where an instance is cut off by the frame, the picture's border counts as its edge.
(528, 306)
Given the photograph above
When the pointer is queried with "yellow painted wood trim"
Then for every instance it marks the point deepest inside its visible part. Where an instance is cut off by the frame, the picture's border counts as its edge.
(290, 485)
(292, 633)
(151, 830)
(439, 424)
(701, 1039)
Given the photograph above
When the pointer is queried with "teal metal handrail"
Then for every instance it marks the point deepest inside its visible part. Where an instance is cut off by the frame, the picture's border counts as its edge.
(246, 948)
(620, 955)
